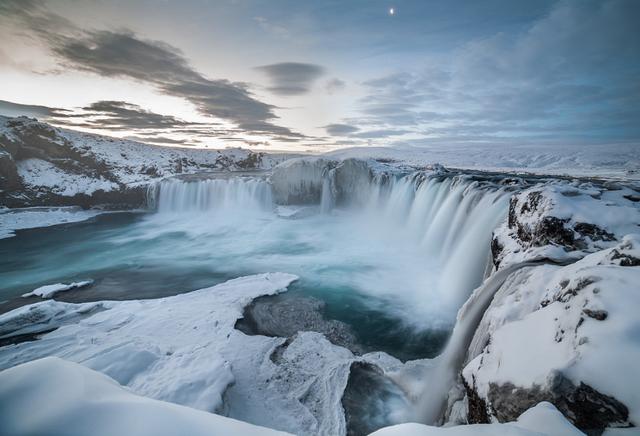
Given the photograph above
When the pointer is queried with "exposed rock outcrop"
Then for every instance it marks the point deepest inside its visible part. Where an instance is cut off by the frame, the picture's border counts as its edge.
(561, 334)
(556, 218)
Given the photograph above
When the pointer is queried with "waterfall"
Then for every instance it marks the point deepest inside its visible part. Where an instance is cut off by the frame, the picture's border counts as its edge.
(237, 195)
(452, 219)
(440, 377)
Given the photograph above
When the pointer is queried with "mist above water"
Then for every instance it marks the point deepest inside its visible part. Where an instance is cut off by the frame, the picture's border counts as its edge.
(413, 247)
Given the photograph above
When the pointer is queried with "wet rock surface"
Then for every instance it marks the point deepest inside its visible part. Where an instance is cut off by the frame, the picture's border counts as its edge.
(371, 400)
(589, 410)
(285, 316)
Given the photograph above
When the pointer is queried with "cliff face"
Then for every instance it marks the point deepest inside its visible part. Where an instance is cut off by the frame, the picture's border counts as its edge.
(41, 165)
(563, 334)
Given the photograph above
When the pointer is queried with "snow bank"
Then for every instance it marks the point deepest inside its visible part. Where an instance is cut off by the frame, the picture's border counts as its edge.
(32, 217)
(53, 397)
(49, 291)
(185, 349)
(543, 419)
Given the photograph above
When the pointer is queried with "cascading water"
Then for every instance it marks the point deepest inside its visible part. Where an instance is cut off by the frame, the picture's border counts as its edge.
(440, 226)
(235, 194)
(452, 220)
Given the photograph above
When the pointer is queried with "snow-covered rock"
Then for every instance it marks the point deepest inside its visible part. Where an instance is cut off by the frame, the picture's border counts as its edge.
(299, 180)
(52, 396)
(567, 335)
(564, 220)
(542, 419)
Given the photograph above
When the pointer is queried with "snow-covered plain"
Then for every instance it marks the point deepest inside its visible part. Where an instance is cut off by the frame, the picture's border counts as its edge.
(616, 160)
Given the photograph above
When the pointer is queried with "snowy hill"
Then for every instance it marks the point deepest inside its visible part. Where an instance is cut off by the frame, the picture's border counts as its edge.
(44, 165)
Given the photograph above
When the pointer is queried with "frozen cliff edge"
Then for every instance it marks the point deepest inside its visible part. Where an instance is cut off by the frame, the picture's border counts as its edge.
(567, 335)
(563, 334)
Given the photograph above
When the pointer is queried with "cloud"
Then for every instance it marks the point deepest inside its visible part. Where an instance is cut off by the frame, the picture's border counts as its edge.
(340, 129)
(335, 85)
(574, 73)
(128, 116)
(291, 78)
(123, 54)
(11, 109)
(161, 140)
(381, 133)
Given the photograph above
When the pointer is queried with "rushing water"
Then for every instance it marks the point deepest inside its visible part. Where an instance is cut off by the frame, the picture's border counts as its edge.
(395, 267)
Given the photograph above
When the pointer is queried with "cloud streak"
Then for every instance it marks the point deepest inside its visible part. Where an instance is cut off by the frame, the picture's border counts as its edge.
(291, 78)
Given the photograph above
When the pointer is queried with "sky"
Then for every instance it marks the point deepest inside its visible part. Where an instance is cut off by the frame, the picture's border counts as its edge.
(319, 75)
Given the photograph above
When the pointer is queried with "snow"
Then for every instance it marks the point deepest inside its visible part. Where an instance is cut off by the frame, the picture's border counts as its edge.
(130, 163)
(610, 208)
(32, 217)
(616, 160)
(55, 396)
(51, 396)
(185, 349)
(543, 419)
(40, 173)
(49, 291)
(538, 325)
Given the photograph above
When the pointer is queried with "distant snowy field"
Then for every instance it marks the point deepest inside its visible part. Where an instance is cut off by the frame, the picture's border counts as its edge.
(617, 161)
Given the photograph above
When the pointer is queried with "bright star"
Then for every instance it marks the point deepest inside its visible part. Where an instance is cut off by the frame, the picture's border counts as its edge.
(392, 11)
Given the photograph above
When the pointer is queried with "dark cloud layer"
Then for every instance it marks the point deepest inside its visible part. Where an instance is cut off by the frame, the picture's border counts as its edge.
(291, 78)
(123, 115)
(340, 129)
(124, 54)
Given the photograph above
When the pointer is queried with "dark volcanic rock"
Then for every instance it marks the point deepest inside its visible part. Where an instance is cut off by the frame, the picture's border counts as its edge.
(9, 179)
(589, 410)
(284, 316)
(532, 222)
